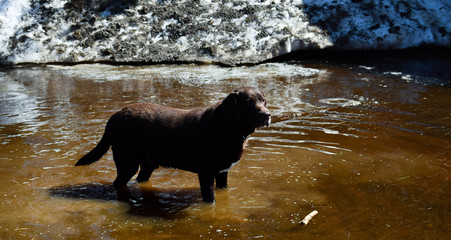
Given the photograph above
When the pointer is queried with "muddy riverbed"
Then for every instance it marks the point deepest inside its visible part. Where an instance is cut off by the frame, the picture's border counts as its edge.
(369, 150)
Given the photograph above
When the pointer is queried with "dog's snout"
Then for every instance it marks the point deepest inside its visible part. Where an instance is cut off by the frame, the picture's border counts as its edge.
(265, 118)
(265, 114)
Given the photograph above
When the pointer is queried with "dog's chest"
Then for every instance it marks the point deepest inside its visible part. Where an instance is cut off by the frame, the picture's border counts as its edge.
(231, 156)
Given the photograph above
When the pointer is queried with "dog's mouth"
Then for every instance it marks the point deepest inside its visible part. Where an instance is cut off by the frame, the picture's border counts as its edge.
(264, 120)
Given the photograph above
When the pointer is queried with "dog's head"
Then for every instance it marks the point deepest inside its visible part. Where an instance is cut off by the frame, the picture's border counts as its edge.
(247, 108)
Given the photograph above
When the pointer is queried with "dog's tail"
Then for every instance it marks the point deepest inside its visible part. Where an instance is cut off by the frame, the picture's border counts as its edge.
(96, 153)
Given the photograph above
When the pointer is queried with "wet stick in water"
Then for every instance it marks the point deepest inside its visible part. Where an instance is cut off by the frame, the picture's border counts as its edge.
(308, 218)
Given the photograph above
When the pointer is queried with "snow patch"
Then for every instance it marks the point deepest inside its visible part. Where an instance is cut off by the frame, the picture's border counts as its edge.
(234, 32)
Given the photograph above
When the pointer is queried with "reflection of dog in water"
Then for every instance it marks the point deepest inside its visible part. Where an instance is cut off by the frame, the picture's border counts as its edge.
(206, 141)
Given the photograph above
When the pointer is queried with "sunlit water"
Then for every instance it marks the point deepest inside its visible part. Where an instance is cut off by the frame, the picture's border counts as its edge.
(369, 150)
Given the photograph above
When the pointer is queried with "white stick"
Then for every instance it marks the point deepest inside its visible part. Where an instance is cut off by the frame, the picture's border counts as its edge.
(308, 218)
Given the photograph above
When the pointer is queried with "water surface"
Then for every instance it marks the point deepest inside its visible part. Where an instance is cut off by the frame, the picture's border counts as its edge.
(369, 150)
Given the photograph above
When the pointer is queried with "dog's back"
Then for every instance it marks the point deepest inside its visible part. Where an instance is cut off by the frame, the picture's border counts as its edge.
(167, 137)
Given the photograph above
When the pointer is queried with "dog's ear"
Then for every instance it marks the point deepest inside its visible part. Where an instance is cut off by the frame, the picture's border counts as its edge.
(232, 99)
(231, 106)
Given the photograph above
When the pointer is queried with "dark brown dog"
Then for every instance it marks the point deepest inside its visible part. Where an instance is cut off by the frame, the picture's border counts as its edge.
(206, 141)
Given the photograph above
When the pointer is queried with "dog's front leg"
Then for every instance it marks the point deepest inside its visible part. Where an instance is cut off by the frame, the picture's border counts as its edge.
(221, 180)
(206, 181)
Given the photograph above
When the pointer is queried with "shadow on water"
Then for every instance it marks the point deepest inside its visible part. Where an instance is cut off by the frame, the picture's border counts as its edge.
(427, 65)
(143, 201)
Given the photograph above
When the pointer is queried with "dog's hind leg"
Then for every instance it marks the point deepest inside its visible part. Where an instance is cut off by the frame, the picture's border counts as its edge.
(127, 164)
(124, 174)
(146, 169)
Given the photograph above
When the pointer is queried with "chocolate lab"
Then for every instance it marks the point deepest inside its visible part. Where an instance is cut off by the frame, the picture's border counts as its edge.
(206, 141)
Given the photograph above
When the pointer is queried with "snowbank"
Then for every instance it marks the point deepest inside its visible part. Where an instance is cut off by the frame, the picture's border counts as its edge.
(229, 32)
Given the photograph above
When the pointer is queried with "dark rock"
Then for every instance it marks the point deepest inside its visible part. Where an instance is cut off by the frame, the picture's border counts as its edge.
(394, 30)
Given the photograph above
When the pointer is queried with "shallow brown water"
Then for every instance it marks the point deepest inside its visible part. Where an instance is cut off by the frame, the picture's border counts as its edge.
(370, 151)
